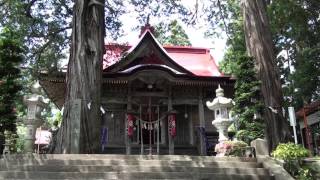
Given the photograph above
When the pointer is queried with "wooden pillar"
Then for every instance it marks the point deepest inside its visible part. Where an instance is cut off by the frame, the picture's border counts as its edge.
(141, 130)
(190, 127)
(158, 132)
(301, 135)
(171, 140)
(129, 108)
(163, 132)
(201, 122)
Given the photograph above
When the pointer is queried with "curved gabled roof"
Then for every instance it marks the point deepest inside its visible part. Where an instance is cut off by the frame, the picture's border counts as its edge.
(147, 51)
(185, 60)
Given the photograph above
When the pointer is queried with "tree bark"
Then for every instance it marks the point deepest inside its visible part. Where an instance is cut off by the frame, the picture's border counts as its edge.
(260, 46)
(81, 118)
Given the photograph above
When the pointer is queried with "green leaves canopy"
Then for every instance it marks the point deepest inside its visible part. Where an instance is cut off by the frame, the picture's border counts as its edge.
(10, 58)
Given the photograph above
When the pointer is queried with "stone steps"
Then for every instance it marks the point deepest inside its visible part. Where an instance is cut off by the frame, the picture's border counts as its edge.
(131, 167)
(16, 157)
(131, 175)
(158, 163)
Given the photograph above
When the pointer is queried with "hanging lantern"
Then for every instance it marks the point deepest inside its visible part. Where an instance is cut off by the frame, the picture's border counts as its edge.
(172, 123)
(130, 119)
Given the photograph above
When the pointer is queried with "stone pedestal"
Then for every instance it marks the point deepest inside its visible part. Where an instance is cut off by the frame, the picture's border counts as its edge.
(260, 146)
(222, 127)
(30, 137)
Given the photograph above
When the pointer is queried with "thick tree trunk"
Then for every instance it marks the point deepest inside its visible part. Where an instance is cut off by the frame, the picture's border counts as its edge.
(260, 46)
(80, 129)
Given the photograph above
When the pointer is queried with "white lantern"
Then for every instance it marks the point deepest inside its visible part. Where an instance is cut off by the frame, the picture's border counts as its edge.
(221, 107)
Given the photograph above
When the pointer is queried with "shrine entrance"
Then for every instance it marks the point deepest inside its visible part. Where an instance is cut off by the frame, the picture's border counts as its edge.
(149, 126)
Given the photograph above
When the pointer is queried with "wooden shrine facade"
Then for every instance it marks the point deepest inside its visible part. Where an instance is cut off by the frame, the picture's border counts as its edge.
(154, 97)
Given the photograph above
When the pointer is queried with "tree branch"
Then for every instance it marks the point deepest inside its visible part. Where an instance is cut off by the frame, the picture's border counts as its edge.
(195, 15)
(27, 8)
(68, 9)
(2, 4)
(223, 20)
(51, 36)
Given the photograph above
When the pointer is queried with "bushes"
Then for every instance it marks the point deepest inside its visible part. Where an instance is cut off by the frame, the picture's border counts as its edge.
(231, 148)
(292, 154)
(290, 151)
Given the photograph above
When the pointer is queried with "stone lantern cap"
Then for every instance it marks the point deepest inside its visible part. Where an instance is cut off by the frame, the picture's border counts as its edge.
(220, 100)
(35, 98)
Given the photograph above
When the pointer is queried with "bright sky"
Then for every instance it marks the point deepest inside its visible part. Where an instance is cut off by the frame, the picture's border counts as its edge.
(217, 46)
(196, 35)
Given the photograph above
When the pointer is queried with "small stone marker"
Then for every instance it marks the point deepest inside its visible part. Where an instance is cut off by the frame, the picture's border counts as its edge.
(75, 126)
(261, 146)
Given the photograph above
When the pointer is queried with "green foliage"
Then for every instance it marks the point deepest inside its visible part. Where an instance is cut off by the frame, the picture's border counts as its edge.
(56, 120)
(306, 77)
(10, 58)
(42, 27)
(21, 132)
(248, 136)
(247, 101)
(292, 154)
(296, 26)
(236, 40)
(290, 151)
(172, 34)
(238, 148)
(305, 173)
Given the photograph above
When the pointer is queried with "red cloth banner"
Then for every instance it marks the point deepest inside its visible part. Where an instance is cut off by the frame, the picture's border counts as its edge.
(172, 125)
(130, 125)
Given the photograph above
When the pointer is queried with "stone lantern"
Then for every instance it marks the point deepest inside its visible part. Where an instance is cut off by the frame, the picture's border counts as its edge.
(33, 120)
(7, 135)
(221, 107)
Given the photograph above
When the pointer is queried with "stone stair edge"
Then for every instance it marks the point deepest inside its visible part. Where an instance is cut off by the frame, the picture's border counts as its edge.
(124, 160)
(134, 174)
(54, 156)
(25, 168)
(140, 163)
(245, 171)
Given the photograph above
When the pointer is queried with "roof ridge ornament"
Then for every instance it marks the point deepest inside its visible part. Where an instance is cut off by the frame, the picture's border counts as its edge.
(146, 27)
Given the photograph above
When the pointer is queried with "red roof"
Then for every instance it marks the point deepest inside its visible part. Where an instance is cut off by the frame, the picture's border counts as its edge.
(196, 60)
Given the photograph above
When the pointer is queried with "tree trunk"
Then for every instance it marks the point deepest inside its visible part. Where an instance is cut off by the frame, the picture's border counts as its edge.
(260, 46)
(80, 129)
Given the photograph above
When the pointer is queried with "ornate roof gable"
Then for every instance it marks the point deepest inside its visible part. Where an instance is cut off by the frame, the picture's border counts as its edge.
(148, 52)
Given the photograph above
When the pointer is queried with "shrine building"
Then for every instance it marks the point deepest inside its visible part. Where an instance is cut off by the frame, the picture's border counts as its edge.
(154, 97)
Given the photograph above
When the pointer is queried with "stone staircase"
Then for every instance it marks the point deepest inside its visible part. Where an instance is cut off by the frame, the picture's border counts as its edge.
(133, 167)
